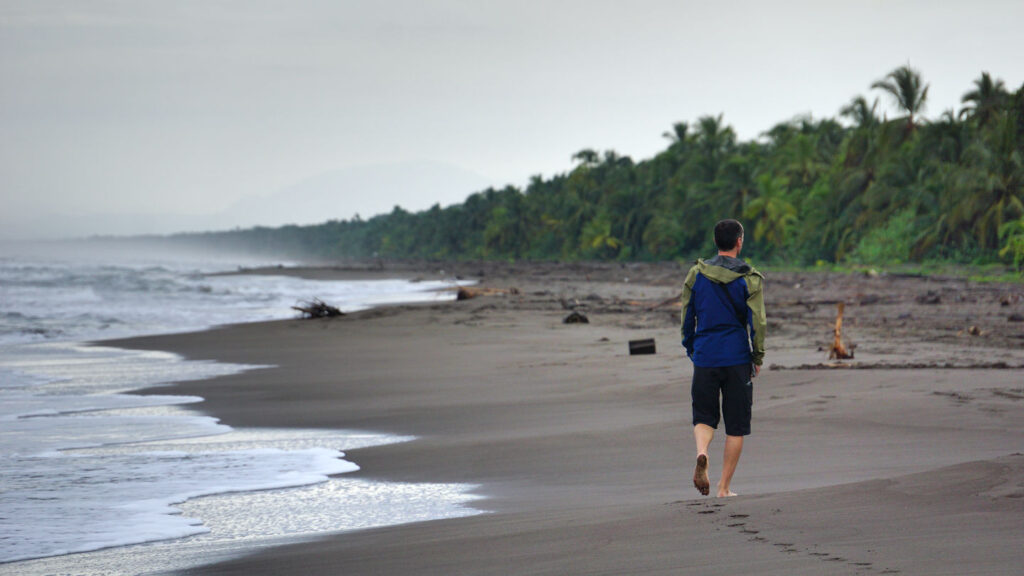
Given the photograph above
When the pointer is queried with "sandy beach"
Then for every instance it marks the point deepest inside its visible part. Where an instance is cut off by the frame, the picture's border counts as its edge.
(907, 460)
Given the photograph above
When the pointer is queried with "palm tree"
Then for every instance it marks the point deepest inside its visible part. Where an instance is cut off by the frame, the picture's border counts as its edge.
(735, 185)
(678, 133)
(905, 86)
(714, 140)
(986, 98)
(586, 157)
(862, 115)
(773, 213)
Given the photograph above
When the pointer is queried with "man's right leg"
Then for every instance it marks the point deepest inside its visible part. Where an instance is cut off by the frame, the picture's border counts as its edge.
(702, 434)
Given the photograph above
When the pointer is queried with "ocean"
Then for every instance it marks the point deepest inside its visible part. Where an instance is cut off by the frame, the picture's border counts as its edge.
(97, 480)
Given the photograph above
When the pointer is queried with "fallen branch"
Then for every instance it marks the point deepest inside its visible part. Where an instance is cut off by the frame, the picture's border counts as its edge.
(673, 301)
(317, 308)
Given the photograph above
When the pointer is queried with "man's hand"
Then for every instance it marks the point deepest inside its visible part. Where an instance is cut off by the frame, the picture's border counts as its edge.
(757, 371)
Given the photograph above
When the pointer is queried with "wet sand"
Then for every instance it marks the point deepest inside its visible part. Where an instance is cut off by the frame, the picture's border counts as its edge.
(910, 465)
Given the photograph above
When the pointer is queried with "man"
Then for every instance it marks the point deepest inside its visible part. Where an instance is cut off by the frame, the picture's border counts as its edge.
(722, 298)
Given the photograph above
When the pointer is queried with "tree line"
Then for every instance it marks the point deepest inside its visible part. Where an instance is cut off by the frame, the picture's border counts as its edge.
(860, 187)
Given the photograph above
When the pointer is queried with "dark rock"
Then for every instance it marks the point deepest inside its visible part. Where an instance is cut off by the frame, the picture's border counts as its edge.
(576, 318)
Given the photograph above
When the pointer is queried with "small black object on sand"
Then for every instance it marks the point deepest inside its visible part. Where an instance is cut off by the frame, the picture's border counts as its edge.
(576, 317)
(645, 346)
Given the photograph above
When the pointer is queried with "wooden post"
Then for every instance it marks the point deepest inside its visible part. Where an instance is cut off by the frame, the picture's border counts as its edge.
(838, 350)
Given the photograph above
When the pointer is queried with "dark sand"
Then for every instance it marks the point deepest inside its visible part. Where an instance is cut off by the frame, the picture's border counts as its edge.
(585, 454)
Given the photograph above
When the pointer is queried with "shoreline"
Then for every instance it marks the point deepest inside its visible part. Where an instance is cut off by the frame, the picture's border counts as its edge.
(583, 452)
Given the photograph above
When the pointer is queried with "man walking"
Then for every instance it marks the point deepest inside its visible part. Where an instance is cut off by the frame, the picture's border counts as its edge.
(722, 298)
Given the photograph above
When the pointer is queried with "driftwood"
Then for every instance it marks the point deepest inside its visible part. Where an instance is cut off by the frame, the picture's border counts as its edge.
(673, 301)
(469, 292)
(317, 308)
(839, 351)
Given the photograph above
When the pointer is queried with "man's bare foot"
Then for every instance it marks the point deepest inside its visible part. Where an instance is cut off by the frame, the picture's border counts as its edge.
(726, 493)
(700, 475)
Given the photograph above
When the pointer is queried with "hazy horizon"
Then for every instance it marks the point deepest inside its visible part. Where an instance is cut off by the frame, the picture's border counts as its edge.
(162, 116)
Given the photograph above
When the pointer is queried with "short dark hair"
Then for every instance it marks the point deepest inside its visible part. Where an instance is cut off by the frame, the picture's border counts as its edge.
(727, 234)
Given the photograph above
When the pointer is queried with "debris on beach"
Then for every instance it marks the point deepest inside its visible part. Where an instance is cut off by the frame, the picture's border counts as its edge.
(576, 317)
(572, 304)
(930, 297)
(645, 346)
(998, 365)
(839, 350)
(317, 308)
(868, 299)
(972, 331)
(673, 302)
(467, 292)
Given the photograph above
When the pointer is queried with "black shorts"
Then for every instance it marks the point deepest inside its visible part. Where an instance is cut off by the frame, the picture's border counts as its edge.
(733, 384)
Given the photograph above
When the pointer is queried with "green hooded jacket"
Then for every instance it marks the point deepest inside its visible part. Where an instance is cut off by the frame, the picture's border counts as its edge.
(724, 270)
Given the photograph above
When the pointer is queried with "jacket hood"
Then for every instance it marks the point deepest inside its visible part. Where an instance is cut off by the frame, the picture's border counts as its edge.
(723, 269)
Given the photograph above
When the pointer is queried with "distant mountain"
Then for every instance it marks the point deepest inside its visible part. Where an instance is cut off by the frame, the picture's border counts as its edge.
(339, 194)
(364, 190)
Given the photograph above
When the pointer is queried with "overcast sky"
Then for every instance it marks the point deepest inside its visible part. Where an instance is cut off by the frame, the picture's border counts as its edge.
(184, 108)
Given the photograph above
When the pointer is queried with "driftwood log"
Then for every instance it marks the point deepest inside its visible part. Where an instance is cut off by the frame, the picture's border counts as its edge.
(317, 308)
(468, 292)
(839, 350)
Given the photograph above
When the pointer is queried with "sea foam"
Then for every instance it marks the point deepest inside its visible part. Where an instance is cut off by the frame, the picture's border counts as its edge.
(130, 484)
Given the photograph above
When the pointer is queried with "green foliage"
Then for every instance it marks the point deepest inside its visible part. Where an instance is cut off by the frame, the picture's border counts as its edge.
(773, 214)
(1012, 234)
(874, 192)
(888, 244)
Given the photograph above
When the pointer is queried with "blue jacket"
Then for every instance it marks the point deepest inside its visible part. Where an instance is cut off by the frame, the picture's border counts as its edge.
(723, 318)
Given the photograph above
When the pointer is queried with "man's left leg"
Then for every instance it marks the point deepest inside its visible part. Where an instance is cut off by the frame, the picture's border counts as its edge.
(733, 449)
(704, 392)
